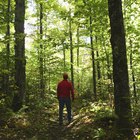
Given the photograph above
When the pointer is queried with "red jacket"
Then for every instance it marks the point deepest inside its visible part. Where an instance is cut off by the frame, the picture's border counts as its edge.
(65, 89)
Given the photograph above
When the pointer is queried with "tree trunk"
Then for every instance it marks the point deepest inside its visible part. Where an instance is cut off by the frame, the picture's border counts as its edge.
(19, 55)
(71, 48)
(78, 41)
(64, 56)
(120, 70)
(6, 77)
(133, 76)
(93, 61)
(42, 90)
(98, 64)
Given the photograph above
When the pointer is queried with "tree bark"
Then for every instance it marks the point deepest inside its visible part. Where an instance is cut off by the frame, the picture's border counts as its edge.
(42, 90)
(71, 48)
(93, 61)
(120, 70)
(78, 78)
(98, 66)
(6, 76)
(19, 55)
(133, 76)
(64, 55)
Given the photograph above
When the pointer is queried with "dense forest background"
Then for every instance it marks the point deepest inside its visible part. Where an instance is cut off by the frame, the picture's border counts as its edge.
(96, 42)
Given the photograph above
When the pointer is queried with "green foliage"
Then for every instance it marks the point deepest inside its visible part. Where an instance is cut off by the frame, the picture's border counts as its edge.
(105, 118)
(99, 134)
(136, 114)
(6, 114)
(55, 40)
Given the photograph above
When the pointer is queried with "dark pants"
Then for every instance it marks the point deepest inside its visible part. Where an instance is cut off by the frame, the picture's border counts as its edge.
(62, 102)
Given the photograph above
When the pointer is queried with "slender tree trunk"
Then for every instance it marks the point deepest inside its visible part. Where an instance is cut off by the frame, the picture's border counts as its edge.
(42, 90)
(133, 76)
(93, 60)
(120, 71)
(64, 56)
(78, 41)
(98, 66)
(108, 66)
(19, 55)
(98, 63)
(6, 77)
(71, 48)
(49, 77)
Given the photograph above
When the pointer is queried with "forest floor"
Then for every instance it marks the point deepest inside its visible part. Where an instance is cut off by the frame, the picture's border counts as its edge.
(41, 123)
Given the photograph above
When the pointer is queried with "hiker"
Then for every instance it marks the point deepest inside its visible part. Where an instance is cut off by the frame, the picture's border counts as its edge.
(65, 94)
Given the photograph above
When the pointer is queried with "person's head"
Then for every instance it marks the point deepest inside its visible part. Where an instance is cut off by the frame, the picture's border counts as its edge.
(65, 76)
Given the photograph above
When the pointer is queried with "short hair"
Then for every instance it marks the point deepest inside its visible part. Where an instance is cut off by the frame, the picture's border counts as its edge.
(65, 76)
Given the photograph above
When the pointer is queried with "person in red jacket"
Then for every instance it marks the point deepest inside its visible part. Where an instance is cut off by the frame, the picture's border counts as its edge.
(65, 94)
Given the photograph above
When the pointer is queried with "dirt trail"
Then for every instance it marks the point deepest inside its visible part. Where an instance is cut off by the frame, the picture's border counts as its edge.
(41, 123)
(78, 129)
